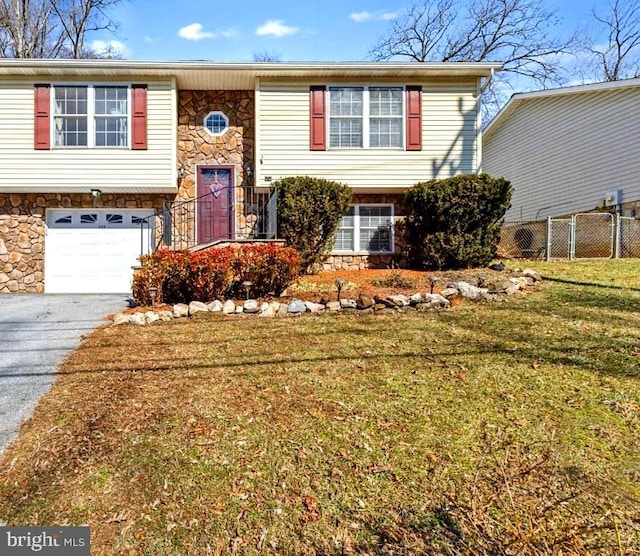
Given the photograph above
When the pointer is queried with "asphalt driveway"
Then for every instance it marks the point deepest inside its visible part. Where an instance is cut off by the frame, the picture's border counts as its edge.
(37, 332)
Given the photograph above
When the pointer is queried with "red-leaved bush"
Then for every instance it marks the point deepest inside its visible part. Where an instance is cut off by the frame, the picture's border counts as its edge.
(184, 276)
(270, 268)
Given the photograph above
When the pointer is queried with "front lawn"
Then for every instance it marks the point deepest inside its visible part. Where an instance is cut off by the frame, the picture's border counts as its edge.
(497, 428)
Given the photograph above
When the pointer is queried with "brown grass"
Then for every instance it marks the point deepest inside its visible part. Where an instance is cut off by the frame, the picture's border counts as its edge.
(503, 428)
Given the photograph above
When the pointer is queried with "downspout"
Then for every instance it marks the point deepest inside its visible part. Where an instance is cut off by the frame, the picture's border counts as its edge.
(487, 81)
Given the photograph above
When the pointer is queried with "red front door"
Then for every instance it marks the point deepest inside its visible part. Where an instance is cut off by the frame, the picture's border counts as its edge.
(215, 203)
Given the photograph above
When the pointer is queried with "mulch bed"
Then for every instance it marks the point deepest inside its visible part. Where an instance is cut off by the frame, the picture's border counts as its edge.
(310, 287)
(381, 282)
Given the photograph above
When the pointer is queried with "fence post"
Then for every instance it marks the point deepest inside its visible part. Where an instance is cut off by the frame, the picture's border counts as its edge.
(548, 239)
(572, 238)
(616, 236)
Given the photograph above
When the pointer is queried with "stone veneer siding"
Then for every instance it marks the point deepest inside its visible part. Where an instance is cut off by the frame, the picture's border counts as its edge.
(358, 261)
(22, 231)
(234, 147)
(196, 146)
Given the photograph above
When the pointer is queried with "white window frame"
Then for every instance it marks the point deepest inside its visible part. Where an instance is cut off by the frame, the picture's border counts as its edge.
(216, 113)
(366, 116)
(356, 230)
(91, 115)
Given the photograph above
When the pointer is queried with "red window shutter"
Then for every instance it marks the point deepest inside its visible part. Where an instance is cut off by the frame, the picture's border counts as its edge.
(42, 120)
(414, 118)
(139, 113)
(317, 95)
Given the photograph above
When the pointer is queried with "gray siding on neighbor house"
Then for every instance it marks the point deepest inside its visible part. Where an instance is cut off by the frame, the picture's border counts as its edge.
(564, 153)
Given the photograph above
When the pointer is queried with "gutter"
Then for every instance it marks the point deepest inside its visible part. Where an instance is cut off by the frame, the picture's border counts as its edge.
(486, 83)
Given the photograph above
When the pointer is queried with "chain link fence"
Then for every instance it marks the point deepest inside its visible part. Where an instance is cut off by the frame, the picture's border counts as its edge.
(580, 236)
(629, 237)
(558, 242)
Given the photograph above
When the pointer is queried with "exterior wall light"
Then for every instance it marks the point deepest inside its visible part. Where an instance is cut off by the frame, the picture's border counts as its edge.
(96, 192)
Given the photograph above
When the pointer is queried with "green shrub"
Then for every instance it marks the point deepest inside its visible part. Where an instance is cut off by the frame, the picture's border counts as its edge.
(184, 276)
(309, 212)
(455, 222)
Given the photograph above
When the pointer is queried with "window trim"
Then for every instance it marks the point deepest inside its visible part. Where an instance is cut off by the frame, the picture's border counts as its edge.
(366, 115)
(216, 113)
(91, 115)
(356, 231)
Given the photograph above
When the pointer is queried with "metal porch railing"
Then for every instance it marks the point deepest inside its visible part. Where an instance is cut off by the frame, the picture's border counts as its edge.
(229, 214)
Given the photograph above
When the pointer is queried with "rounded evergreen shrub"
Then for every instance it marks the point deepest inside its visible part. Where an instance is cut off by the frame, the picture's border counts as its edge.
(309, 212)
(455, 222)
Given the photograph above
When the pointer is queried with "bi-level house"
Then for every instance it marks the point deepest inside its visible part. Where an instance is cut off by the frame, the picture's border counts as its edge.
(103, 160)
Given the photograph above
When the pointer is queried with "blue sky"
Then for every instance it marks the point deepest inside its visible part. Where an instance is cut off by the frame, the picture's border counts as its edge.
(296, 30)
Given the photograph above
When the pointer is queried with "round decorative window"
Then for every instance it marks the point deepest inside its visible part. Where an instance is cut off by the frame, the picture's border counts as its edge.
(216, 123)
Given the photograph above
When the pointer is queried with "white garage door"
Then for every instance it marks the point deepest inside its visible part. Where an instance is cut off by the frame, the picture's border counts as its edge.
(92, 251)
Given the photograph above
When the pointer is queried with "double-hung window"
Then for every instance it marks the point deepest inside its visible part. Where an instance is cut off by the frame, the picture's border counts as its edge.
(91, 116)
(366, 228)
(111, 116)
(366, 117)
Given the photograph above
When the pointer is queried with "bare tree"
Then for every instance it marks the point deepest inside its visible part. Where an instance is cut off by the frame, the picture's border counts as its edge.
(266, 56)
(619, 57)
(27, 29)
(518, 33)
(52, 28)
(79, 17)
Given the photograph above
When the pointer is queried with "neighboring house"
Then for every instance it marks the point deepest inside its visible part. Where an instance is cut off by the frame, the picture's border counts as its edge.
(90, 150)
(568, 150)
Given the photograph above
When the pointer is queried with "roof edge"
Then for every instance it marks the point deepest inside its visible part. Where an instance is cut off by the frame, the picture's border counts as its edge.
(518, 98)
(259, 68)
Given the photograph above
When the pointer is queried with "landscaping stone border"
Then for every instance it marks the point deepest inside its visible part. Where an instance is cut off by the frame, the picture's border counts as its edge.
(488, 291)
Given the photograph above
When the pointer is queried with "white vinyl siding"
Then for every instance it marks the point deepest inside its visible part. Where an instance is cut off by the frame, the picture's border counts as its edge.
(565, 153)
(81, 169)
(449, 132)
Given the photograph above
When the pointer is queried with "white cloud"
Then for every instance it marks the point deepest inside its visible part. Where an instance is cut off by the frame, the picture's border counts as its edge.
(112, 47)
(277, 28)
(360, 17)
(230, 33)
(194, 32)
